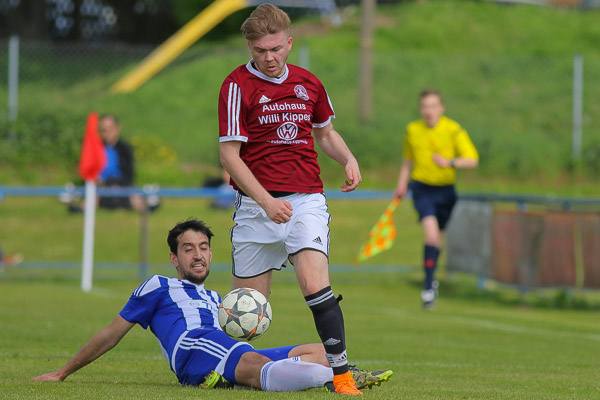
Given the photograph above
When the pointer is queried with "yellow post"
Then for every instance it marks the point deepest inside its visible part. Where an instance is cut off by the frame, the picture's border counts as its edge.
(176, 44)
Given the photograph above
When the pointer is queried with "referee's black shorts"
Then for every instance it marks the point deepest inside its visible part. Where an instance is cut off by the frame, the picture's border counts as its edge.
(433, 200)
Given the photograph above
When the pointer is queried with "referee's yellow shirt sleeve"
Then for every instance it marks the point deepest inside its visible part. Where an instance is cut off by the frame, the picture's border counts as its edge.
(464, 145)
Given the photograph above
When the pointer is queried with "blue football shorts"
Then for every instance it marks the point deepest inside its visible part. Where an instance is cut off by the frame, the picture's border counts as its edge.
(203, 351)
(277, 353)
(430, 200)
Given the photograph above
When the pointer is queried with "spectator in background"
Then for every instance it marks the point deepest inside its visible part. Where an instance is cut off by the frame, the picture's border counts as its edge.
(119, 170)
(8, 260)
(434, 147)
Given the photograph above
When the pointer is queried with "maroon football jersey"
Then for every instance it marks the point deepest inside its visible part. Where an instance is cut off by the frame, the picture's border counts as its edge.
(274, 118)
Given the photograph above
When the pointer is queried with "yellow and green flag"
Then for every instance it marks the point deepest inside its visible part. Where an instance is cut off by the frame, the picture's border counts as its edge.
(382, 235)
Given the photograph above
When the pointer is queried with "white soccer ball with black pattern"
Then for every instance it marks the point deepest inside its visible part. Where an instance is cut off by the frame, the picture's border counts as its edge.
(245, 314)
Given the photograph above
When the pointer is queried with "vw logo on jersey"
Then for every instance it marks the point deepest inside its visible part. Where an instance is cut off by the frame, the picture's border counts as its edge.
(301, 92)
(287, 131)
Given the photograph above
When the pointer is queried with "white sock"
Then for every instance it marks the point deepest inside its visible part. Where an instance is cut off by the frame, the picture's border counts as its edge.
(288, 375)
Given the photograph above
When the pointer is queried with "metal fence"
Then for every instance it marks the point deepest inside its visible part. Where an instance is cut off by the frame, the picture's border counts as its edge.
(555, 245)
(522, 240)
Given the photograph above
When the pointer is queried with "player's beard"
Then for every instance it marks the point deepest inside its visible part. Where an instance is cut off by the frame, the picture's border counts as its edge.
(198, 280)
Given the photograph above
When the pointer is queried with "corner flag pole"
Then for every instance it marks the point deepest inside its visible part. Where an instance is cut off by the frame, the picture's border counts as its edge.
(91, 163)
(88, 235)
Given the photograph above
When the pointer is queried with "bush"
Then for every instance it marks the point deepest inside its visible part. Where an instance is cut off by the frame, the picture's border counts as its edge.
(42, 137)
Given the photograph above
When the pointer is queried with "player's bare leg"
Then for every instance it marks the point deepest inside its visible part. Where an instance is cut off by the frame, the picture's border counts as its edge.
(262, 283)
(431, 230)
(312, 272)
(248, 369)
(257, 371)
(311, 352)
(315, 353)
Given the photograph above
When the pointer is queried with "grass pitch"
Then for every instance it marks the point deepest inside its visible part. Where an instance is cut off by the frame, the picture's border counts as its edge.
(466, 349)
(461, 350)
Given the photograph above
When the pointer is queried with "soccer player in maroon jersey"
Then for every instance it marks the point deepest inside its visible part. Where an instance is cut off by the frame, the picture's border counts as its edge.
(270, 115)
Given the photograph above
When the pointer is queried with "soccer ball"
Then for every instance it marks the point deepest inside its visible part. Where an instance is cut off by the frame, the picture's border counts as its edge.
(245, 314)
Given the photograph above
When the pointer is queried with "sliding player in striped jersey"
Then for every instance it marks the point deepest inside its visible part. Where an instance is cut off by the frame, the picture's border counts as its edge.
(182, 314)
(268, 113)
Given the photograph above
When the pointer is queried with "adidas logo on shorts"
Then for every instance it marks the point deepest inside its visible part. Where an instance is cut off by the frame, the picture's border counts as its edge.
(317, 240)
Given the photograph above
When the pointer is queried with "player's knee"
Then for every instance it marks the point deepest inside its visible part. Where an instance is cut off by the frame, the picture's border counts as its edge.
(316, 354)
(310, 352)
(253, 359)
(314, 282)
(434, 242)
(433, 238)
(249, 367)
(310, 288)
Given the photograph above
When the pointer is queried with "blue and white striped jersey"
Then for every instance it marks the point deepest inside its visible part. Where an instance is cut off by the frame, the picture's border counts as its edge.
(172, 308)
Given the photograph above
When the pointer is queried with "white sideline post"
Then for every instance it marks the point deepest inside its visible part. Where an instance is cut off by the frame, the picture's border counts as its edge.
(13, 83)
(577, 104)
(89, 215)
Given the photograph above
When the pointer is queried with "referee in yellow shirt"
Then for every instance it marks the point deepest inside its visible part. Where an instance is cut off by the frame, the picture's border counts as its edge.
(434, 147)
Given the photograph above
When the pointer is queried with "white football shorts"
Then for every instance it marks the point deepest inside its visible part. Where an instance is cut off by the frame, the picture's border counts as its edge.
(260, 245)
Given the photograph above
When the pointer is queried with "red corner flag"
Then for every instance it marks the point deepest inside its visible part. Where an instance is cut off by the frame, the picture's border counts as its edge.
(93, 158)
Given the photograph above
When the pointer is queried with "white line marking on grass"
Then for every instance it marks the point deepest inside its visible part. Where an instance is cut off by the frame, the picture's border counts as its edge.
(387, 363)
(495, 325)
(519, 329)
(395, 312)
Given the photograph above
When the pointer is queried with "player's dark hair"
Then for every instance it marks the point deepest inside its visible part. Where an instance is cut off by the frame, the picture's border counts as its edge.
(184, 226)
(430, 92)
(266, 19)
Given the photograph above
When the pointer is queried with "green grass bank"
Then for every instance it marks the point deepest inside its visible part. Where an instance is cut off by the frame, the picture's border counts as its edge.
(506, 72)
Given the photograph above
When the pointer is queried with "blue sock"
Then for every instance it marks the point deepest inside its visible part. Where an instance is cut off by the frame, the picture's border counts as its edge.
(430, 263)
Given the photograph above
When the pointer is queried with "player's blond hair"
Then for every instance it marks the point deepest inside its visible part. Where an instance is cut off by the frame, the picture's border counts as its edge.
(266, 19)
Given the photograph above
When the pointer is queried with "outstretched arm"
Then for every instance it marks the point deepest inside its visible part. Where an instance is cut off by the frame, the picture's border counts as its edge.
(403, 178)
(458, 162)
(100, 343)
(334, 146)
